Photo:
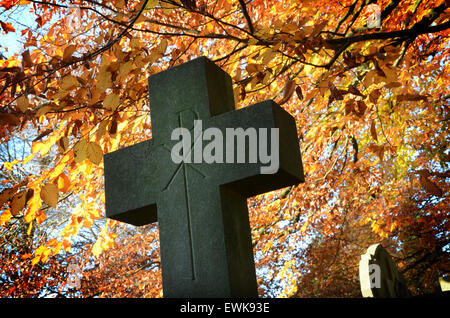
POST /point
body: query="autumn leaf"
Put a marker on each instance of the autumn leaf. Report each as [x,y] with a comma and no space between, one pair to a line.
[26,57]
[49,194]
[7,27]
[18,203]
[94,153]
[80,150]
[68,51]
[288,90]
[69,82]
[63,182]
[79,81]
[23,103]
[111,102]
[352,89]
[150,5]
[411,97]
[430,186]
[373,131]
[299,93]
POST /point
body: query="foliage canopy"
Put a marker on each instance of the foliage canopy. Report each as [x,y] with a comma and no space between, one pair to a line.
[371,106]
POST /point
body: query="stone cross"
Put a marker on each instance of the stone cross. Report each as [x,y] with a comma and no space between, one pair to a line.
[201,208]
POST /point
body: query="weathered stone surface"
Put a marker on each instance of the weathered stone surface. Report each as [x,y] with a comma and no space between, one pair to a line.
[200,208]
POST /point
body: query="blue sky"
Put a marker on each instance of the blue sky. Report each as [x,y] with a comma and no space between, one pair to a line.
[20,18]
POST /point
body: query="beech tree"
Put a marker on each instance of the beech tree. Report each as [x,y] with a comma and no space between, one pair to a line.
[367,82]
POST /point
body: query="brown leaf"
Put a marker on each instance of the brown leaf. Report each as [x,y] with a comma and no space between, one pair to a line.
[26,59]
[353,90]
[361,108]
[430,186]
[9,119]
[298,90]
[5,196]
[18,202]
[373,131]
[23,103]
[374,95]
[68,51]
[336,93]
[113,127]
[288,90]
[64,143]
[349,106]
[7,27]
[411,97]
[49,194]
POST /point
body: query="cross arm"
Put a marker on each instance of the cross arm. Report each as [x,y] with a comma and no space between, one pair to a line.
[247,178]
[128,193]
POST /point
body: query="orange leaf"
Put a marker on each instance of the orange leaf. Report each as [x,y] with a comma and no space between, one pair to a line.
[63,182]
[7,27]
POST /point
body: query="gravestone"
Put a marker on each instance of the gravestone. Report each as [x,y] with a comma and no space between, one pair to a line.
[379,276]
[201,208]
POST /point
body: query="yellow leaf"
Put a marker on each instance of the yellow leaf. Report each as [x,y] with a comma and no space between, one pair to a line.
[57,170]
[150,5]
[23,103]
[111,102]
[95,153]
[49,194]
[34,204]
[97,248]
[42,111]
[35,260]
[80,150]
[27,159]
[5,216]
[267,56]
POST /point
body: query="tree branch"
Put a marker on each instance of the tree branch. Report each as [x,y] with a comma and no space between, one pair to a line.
[412,32]
[247,16]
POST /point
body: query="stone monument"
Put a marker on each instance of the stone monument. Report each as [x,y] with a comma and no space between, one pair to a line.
[379,276]
[200,205]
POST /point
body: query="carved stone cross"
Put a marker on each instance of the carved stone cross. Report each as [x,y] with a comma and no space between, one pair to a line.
[201,207]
